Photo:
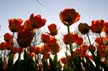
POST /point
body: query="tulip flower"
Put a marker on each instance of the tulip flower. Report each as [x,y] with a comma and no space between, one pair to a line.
[105,29]
[8,37]
[83,28]
[73,37]
[14,24]
[53,29]
[35,49]
[27,25]
[44,49]
[24,38]
[69,16]
[37,21]
[79,40]
[45,37]
[97,26]
[2,45]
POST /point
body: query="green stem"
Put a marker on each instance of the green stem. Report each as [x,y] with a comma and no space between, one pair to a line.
[90,46]
[96,58]
[89,40]
[34,40]
[69,40]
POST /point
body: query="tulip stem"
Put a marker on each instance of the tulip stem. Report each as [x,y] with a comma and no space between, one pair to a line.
[66,48]
[69,39]
[90,46]
[34,40]
[89,39]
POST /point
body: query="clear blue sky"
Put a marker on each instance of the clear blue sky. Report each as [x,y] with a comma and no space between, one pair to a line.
[50,9]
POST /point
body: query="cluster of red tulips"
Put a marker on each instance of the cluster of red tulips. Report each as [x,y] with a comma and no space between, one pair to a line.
[80,55]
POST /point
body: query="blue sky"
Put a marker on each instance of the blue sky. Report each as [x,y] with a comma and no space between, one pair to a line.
[50,9]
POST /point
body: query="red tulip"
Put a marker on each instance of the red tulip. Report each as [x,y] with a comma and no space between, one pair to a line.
[65,39]
[27,25]
[53,45]
[63,60]
[8,37]
[53,29]
[55,48]
[79,40]
[105,27]
[99,40]
[44,49]
[84,48]
[9,45]
[73,37]
[2,45]
[51,41]
[37,21]
[24,37]
[45,37]
[81,51]
[83,28]
[14,24]
[69,16]
[35,49]
[97,26]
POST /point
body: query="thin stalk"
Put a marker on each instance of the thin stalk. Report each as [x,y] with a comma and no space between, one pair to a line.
[95,57]
[89,39]
[90,46]
[34,40]
[69,40]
